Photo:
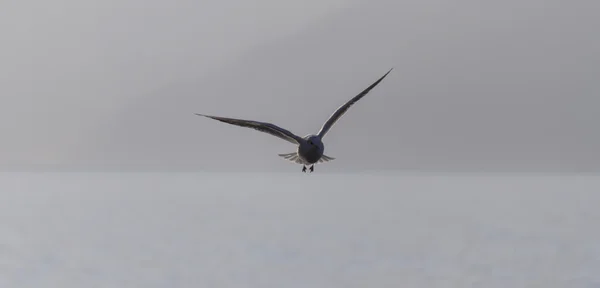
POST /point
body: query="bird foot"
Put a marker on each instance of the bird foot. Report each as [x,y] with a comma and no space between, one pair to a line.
[312,168]
[304,169]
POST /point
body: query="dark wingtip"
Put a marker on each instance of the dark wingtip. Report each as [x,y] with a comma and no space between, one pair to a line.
[211,117]
[380,79]
[208,116]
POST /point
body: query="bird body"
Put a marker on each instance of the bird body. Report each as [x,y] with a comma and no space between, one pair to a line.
[310,148]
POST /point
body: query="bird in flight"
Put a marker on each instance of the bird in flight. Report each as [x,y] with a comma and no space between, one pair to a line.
[310,147]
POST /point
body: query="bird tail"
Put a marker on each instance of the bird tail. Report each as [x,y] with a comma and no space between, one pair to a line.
[326,158]
[292,157]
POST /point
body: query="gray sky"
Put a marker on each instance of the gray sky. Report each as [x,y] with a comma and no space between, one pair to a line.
[510,85]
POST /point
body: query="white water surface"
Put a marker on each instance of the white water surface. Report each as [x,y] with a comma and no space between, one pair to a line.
[116,230]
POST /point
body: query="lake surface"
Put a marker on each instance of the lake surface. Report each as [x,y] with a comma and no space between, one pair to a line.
[298,230]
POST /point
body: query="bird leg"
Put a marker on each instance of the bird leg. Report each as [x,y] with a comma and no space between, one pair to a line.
[303,168]
[312,168]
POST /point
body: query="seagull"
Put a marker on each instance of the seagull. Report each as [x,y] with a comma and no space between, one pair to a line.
[310,147]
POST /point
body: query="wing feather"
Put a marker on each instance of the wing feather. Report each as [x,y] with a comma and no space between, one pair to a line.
[260,126]
[342,109]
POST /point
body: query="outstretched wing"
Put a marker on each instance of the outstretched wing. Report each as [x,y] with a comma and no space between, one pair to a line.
[342,109]
[260,126]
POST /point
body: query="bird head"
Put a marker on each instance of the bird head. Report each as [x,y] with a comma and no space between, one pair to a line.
[313,140]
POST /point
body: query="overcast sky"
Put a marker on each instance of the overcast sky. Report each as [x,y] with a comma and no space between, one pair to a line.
[509,85]
[67,65]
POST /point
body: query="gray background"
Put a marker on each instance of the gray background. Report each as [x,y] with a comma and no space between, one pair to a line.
[113,85]
[172,230]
